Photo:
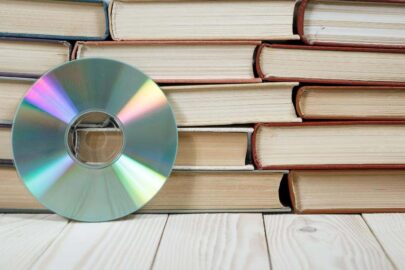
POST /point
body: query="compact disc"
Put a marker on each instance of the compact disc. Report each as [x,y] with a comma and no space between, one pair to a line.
[94,139]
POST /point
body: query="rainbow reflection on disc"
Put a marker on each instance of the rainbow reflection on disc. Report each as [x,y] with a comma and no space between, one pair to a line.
[60,170]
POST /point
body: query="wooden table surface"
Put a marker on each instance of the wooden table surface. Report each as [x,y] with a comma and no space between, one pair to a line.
[204,241]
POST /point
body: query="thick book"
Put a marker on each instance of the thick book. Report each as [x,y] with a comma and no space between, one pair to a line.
[202,20]
[195,105]
[198,148]
[184,191]
[351,102]
[180,61]
[332,65]
[329,145]
[352,23]
[347,191]
[30,57]
[229,104]
[66,20]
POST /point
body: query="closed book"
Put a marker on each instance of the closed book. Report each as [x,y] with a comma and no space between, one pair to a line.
[347,191]
[198,148]
[329,145]
[195,105]
[180,61]
[202,20]
[369,23]
[323,102]
[331,65]
[184,191]
[31,57]
[66,20]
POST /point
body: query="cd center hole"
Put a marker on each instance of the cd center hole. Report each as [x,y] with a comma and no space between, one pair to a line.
[95,139]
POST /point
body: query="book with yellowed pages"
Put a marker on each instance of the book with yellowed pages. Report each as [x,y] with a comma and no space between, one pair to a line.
[184,191]
[329,145]
[202,19]
[195,105]
[351,102]
[347,191]
[355,23]
[31,58]
[68,19]
[194,61]
[198,148]
[332,65]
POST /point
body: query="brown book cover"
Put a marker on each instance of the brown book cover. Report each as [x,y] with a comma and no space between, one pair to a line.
[260,166]
[324,48]
[302,89]
[297,210]
[180,42]
[300,27]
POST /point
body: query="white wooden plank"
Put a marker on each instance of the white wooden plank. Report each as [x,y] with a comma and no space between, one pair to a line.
[213,241]
[323,242]
[24,237]
[389,229]
[129,243]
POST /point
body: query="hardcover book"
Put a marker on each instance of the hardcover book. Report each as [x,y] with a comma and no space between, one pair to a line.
[195,105]
[198,148]
[368,23]
[347,191]
[329,145]
[202,20]
[184,191]
[66,19]
[332,65]
[351,102]
[181,61]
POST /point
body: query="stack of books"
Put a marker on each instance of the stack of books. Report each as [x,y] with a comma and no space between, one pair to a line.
[269,118]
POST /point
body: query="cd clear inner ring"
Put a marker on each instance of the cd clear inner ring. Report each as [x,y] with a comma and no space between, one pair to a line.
[95,139]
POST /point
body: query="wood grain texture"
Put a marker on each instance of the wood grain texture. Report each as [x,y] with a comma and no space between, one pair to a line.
[213,241]
[323,242]
[389,229]
[130,243]
[24,237]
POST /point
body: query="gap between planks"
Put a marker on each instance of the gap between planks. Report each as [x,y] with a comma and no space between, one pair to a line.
[389,229]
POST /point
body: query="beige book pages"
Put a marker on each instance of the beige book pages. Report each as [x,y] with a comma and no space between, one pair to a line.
[180,62]
[191,191]
[31,57]
[355,22]
[357,102]
[59,18]
[349,190]
[196,105]
[157,20]
[332,65]
[11,93]
[349,144]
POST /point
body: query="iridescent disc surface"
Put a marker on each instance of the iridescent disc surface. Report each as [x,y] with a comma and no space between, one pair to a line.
[70,187]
